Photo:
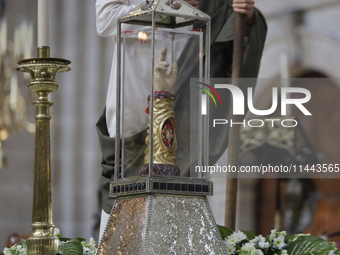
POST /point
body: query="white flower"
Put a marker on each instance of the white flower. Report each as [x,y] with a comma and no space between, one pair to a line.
[257,252]
[7,251]
[92,244]
[279,242]
[22,251]
[252,242]
[330,253]
[231,240]
[248,247]
[56,231]
[16,249]
[284,252]
[272,234]
[282,233]
[87,251]
[236,237]
[263,244]
[90,248]
[231,249]
[258,238]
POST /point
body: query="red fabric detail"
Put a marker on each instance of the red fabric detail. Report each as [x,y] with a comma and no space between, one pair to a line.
[147,110]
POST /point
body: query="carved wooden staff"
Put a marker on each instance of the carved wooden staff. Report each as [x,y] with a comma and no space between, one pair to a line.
[234,131]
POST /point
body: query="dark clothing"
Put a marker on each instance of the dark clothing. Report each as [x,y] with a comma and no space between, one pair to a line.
[221,59]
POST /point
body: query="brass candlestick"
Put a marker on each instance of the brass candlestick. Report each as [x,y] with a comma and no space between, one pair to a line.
[43,71]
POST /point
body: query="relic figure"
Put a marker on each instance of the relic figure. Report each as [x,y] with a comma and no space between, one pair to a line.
[164,124]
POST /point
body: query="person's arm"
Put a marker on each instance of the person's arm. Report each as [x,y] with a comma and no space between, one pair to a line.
[194,3]
[245,7]
[107,14]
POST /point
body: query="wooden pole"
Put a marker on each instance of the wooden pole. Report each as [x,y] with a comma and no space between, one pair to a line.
[234,131]
[277,219]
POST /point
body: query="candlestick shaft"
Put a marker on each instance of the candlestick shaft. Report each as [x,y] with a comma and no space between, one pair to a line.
[42,240]
[42,169]
[43,23]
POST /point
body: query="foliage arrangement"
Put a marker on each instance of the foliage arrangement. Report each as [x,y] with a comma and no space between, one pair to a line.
[277,243]
[67,246]
[237,243]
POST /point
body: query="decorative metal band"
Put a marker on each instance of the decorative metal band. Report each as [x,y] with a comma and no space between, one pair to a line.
[164,94]
[145,243]
[48,86]
[60,67]
[164,185]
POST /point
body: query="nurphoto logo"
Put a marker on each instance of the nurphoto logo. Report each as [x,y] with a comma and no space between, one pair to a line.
[239,103]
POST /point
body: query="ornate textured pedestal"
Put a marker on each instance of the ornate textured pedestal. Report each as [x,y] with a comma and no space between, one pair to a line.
[160,223]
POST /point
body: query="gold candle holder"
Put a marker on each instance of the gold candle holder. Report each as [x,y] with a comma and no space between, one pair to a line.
[43,71]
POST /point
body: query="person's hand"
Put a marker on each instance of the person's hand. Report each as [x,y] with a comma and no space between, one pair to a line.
[163,81]
[194,3]
[245,7]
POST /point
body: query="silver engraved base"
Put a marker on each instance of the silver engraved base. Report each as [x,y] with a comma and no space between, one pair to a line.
[161,224]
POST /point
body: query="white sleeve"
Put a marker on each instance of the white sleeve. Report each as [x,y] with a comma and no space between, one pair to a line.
[103,222]
[107,14]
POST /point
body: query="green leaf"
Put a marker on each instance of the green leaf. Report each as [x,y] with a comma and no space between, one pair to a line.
[22,242]
[80,239]
[322,252]
[292,237]
[72,247]
[309,245]
[250,235]
[64,239]
[225,232]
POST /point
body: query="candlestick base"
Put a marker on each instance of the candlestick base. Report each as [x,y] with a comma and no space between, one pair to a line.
[42,240]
